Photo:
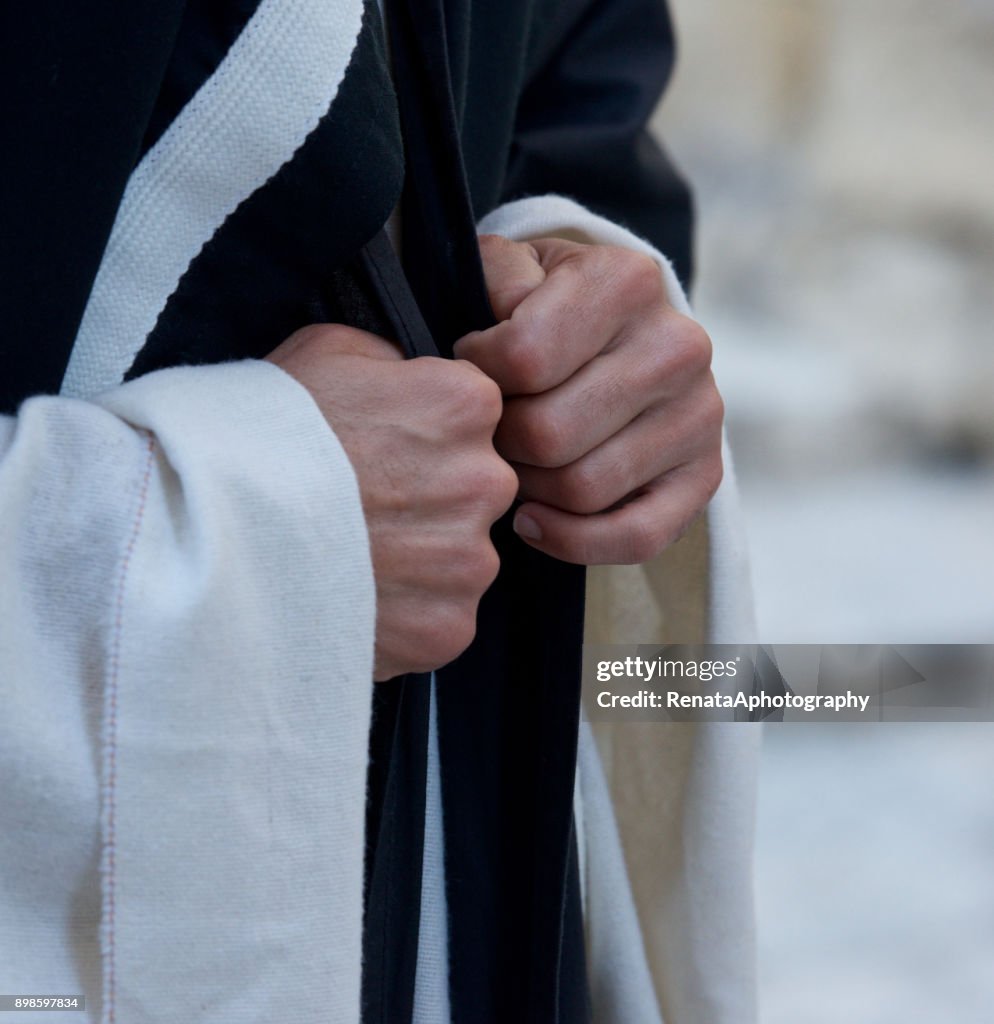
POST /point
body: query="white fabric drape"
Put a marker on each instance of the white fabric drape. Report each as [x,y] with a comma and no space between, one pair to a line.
[186,637]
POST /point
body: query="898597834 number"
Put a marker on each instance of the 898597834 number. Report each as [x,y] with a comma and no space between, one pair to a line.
[42,1002]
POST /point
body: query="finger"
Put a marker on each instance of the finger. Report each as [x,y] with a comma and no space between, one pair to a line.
[559,426]
[633,533]
[653,361]
[657,442]
[559,327]
[512,270]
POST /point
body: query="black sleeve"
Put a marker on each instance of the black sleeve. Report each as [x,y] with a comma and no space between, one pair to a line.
[599,69]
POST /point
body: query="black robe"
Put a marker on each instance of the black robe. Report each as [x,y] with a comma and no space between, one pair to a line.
[497,101]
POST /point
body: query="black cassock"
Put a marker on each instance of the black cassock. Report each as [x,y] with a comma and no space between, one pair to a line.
[493,101]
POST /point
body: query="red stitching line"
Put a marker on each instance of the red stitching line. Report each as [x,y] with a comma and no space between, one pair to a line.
[111,789]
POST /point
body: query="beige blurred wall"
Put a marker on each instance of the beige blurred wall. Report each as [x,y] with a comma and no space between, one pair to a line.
[843,156]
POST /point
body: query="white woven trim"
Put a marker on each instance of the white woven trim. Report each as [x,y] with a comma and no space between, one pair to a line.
[246,121]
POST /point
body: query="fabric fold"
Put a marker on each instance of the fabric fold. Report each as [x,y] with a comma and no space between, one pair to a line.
[203,678]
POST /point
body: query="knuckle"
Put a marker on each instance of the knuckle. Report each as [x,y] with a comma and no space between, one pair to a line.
[487,487]
[714,409]
[449,630]
[501,247]
[487,398]
[473,400]
[545,437]
[455,629]
[492,244]
[692,346]
[490,565]
[585,487]
[478,567]
[525,357]
[504,487]
[711,475]
[426,656]
[643,539]
[413,646]
[642,280]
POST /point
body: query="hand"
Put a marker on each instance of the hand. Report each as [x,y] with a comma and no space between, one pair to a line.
[419,435]
[612,420]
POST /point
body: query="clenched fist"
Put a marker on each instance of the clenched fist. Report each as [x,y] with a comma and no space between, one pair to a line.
[419,435]
[611,420]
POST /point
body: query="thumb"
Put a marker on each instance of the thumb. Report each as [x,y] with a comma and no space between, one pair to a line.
[512,270]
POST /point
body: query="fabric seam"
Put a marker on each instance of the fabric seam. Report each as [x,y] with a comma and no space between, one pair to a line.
[109,816]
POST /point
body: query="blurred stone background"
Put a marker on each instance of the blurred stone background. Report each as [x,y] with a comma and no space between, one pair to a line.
[843,158]
[842,153]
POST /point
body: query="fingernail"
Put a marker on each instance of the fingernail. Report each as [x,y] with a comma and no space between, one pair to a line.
[525,526]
